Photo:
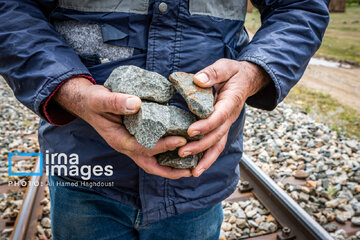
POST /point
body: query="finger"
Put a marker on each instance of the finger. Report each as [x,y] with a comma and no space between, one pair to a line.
[151,166]
[218,87]
[221,71]
[206,142]
[222,112]
[128,144]
[209,157]
[167,144]
[112,117]
[102,100]
[119,138]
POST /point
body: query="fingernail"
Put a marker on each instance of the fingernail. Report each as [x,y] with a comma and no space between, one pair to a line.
[200,171]
[180,143]
[194,133]
[131,103]
[185,154]
[203,78]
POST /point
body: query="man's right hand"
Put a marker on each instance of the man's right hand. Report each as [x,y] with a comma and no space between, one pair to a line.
[102,109]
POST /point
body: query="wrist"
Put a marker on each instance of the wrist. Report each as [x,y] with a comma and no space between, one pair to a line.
[72,96]
[256,78]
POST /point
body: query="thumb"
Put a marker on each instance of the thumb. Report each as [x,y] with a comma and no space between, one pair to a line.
[118,103]
[220,71]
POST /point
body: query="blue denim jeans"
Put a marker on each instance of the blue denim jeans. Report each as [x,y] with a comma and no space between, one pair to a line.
[80,213]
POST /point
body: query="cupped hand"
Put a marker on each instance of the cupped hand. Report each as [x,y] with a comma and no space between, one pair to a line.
[102,109]
[234,82]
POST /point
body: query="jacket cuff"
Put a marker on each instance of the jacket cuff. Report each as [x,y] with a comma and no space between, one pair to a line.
[268,97]
[53,112]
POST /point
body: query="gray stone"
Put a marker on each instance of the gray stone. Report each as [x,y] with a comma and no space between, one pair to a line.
[149,124]
[264,156]
[48,233]
[251,213]
[356,207]
[301,174]
[232,219]
[46,222]
[325,183]
[268,227]
[6,231]
[40,230]
[252,223]
[136,81]
[154,121]
[44,202]
[331,227]
[351,144]
[348,208]
[304,196]
[240,213]
[345,194]
[241,223]
[322,220]
[342,216]
[199,100]
[272,227]
[234,207]
[332,203]
[180,121]
[226,226]
[227,213]
[244,204]
[355,221]
[172,159]
[260,219]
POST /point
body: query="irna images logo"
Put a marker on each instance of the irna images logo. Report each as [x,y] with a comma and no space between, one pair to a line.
[15,155]
[59,164]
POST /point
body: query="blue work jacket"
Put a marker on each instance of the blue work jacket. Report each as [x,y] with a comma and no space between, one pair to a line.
[165,36]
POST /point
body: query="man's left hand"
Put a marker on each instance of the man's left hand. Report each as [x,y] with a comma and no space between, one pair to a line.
[234,82]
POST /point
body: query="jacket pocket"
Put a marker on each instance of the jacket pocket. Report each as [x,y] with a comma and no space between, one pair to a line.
[124,6]
[226,9]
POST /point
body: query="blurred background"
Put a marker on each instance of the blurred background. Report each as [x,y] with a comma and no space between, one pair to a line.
[330,88]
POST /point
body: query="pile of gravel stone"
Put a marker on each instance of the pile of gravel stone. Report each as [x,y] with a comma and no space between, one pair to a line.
[10,204]
[286,143]
[44,222]
[245,219]
[18,128]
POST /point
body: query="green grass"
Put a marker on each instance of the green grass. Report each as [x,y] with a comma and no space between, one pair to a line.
[331,191]
[324,108]
[342,37]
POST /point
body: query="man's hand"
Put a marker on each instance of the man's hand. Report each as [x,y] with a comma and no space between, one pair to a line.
[102,109]
[234,82]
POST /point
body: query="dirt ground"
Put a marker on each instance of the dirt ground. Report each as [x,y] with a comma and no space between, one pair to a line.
[342,84]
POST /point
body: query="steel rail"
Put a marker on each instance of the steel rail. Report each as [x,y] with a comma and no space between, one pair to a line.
[285,210]
[23,222]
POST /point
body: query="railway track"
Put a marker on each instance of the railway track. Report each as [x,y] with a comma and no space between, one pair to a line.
[293,221]
[24,225]
[7,224]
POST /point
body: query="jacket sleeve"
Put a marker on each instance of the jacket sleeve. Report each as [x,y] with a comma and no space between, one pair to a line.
[290,34]
[34,59]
